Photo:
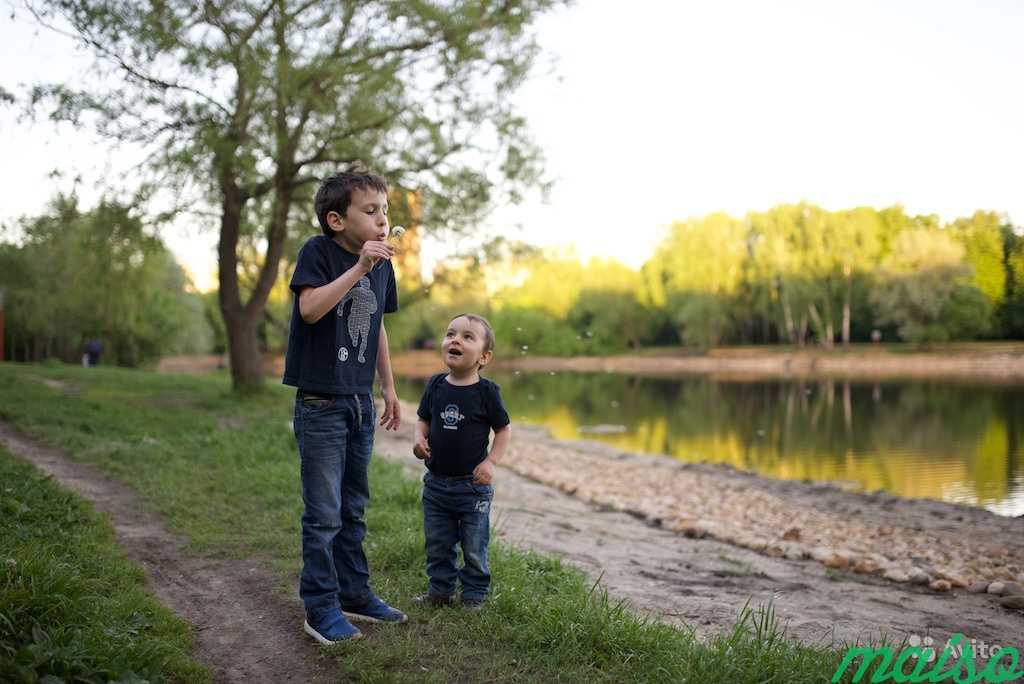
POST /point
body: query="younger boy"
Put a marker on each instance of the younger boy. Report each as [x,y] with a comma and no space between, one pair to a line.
[456,415]
[344,284]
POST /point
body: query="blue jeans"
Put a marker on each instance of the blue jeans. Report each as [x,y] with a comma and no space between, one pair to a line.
[335,438]
[456,511]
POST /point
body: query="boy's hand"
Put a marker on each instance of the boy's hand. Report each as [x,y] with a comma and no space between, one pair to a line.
[421,449]
[391,418]
[483,473]
[372,252]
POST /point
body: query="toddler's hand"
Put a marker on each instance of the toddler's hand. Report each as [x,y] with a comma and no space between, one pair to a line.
[483,473]
[421,450]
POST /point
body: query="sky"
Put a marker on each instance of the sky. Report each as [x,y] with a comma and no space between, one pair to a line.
[650,112]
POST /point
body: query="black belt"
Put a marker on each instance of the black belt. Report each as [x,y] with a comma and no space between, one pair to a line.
[314,395]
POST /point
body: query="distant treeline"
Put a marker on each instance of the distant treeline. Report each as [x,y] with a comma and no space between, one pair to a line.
[72,276]
[795,274]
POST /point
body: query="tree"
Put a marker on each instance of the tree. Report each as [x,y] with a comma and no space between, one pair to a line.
[982,237]
[925,289]
[245,105]
[97,274]
[1011,312]
[856,248]
[696,273]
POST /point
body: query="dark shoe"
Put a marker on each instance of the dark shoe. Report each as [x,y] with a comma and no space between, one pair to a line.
[432,600]
[331,629]
[374,610]
[472,603]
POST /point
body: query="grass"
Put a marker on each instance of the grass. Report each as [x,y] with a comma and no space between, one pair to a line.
[72,606]
[223,471]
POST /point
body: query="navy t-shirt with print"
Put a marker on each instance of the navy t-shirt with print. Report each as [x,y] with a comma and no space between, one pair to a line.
[338,353]
[461,418]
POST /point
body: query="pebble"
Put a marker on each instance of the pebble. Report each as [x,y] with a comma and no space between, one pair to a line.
[865,566]
[690,528]
[1013,589]
[940,585]
[919,576]
[820,553]
[977,587]
[1012,602]
[835,560]
[896,576]
[997,588]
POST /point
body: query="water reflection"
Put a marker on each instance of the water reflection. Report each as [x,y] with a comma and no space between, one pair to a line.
[944,441]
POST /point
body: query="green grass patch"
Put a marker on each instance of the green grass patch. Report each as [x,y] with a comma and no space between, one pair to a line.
[72,606]
[223,470]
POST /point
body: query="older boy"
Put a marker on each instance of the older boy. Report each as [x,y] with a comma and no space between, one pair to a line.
[344,284]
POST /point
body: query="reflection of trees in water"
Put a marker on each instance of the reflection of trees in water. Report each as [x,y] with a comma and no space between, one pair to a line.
[883,434]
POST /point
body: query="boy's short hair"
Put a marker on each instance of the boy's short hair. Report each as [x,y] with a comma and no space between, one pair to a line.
[335,192]
[488,330]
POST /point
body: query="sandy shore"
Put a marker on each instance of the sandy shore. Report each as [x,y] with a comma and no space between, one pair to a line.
[692,543]
[1001,363]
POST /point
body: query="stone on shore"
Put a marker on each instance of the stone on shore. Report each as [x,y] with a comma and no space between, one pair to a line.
[895,575]
[866,566]
[919,576]
[1012,602]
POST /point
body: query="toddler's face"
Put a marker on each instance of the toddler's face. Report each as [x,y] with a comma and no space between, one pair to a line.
[463,345]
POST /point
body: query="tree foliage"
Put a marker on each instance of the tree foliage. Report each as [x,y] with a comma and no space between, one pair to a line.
[794,273]
[245,105]
[96,274]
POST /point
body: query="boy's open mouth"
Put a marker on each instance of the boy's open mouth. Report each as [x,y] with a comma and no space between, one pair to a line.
[455,352]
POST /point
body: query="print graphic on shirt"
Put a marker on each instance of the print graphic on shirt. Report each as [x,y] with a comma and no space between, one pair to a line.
[451,417]
[364,305]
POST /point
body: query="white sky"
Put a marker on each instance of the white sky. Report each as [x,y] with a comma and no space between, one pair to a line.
[659,111]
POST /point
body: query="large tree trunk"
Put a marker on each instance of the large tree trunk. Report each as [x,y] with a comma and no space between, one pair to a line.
[244,351]
[240,321]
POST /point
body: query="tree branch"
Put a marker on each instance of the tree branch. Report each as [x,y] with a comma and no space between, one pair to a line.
[127,68]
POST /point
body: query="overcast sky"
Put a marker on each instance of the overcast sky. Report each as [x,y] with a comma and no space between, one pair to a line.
[657,111]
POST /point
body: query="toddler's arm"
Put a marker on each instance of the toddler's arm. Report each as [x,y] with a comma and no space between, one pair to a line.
[484,473]
[421,449]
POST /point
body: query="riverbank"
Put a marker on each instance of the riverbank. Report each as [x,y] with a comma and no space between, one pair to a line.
[996,362]
[1001,362]
[691,543]
[202,489]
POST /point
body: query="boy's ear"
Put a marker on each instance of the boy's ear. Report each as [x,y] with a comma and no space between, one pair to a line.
[335,222]
[485,358]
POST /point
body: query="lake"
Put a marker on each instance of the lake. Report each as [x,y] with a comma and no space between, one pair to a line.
[940,440]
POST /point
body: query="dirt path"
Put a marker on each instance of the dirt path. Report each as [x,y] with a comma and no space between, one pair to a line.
[705,582]
[246,631]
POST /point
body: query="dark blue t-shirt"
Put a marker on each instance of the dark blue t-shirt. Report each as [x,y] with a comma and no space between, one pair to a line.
[338,353]
[461,418]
